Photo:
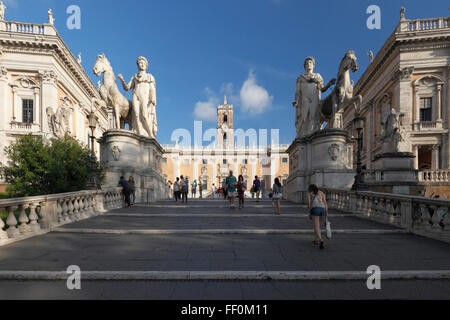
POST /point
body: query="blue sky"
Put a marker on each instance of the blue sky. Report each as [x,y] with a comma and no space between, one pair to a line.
[252,50]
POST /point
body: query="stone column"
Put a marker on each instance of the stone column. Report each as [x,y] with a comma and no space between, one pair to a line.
[195,171]
[447,111]
[435,157]
[254,163]
[403,94]
[439,103]
[214,172]
[4,111]
[37,114]
[176,166]
[49,96]
[371,132]
[415,151]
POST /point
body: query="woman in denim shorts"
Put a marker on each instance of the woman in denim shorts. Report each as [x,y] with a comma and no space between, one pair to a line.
[317,203]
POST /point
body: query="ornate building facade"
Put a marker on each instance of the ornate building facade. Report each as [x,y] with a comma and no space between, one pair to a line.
[409,78]
[44,89]
[212,164]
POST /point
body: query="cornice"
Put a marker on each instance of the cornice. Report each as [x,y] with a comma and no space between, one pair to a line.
[49,45]
[402,41]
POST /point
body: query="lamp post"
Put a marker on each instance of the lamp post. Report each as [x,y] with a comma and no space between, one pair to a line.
[359,184]
[92,183]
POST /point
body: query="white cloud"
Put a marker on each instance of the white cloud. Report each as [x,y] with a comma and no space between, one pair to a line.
[254,98]
[207,110]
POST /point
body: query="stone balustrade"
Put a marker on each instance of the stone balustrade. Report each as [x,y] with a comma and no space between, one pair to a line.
[434,176]
[420,215]
[427,24]
[37,215]
[25,27]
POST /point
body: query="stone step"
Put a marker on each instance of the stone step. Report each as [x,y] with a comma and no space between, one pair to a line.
[225,231]
[226,275]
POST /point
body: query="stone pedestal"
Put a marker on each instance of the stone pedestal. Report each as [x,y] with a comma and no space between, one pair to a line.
[124,153]
[395,173]
[324,158]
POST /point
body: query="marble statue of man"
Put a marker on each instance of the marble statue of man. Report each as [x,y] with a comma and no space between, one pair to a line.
[51,20]
[2,11]
[144,100]
[307,99]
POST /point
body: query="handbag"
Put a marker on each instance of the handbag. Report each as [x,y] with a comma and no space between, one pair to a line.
[328,228]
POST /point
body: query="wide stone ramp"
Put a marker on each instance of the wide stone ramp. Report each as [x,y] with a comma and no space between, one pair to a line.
[207,243]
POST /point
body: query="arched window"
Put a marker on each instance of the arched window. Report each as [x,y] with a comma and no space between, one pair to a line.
[225,118]
[224,138]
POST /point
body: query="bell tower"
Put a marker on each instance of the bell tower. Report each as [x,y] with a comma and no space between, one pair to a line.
[225,128]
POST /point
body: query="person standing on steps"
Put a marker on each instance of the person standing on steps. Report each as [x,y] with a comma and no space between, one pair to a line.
[317,202]
[277,193]
[194,188]
[132,184]
[176,190]
[231,184]
[263,188]
[200,188]
[241,187]
[184,189]
[224,189]
[257,187]
[125,190]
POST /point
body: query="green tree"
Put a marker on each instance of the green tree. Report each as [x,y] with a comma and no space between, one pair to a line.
[37,167]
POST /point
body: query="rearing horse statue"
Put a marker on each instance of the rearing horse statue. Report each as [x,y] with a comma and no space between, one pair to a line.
[111,95]
[332,107]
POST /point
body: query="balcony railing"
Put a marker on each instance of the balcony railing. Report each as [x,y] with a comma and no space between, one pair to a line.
[434,176]
[427,125]
[24,126]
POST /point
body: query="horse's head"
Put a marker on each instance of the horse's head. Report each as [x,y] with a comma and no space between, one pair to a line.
[101,65]
[349,62]
[353,63]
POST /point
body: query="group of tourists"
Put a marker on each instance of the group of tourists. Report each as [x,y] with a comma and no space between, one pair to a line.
[233,188]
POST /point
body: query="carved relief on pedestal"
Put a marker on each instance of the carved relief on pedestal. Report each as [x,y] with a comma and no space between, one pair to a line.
[334,151]
[116,153]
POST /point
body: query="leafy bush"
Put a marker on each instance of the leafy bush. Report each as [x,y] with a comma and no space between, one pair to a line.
[37,167]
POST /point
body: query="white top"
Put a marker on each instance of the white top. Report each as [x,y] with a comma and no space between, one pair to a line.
[317,201]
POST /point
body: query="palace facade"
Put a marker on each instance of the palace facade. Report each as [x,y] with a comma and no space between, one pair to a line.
[410,74]
[44,89]
[212,164]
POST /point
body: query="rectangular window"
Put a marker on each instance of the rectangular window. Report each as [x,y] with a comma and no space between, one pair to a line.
[205,161]
[425,109]
[225,161]
[164,160]
[284,160]
[27,111]
[186,162]
[245,161]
